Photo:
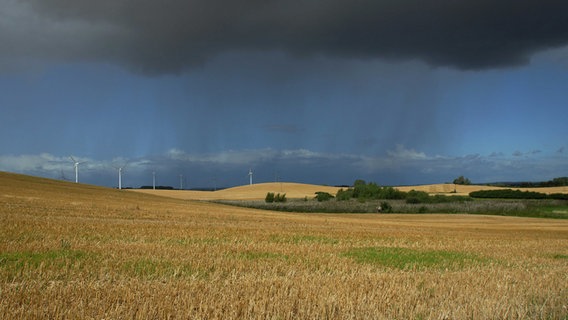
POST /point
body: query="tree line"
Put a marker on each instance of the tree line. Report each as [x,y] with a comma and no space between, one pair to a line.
[516,194]
[363,191]
[556,182]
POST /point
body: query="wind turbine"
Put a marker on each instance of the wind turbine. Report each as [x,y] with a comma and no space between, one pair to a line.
[119,177]
[76,165]
[250,176]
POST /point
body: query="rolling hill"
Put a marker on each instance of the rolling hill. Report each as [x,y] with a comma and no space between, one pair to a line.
[299,191]
[247,192]
[85,252]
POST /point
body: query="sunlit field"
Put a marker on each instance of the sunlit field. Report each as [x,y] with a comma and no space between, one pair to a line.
[85,252]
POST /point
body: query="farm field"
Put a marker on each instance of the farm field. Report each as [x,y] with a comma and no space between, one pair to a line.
[79,251]
[298,190]
[248,192]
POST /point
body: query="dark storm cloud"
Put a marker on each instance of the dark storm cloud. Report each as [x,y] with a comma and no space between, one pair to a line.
[170,36]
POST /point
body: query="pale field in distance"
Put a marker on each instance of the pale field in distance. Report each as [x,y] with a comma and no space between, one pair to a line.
[299,191]
[248,192]
[78,251]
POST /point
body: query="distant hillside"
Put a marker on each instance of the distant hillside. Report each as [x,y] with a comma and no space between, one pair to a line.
[300,191]
[248,192]
[32,188]
[28,186]
[457,189]
[556,182]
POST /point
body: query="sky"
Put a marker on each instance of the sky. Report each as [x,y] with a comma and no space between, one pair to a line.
[200,92]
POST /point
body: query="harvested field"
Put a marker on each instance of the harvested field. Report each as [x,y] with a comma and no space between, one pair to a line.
[249,192]
[79,251]
[300,191]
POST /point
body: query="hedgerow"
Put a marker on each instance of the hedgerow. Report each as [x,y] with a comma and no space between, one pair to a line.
[510,194]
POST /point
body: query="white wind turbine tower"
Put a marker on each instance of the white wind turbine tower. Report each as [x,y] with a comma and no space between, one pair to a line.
[250,176]
[76,165]
[119,177]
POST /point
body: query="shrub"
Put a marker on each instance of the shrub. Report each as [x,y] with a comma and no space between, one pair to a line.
[462,180]
[344,195]
[391,194]
[385,207]
[414,196]
[323,196]
[269,197]
[358,187]
[508,194]
[413,200]
[280,198]
[364,191]
[558,196]
[562,181]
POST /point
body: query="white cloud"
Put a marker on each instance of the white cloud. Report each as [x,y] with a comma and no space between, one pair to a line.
[399,166]
[230,157]
[558,56]
[25,163]
[252,156]
[400,152]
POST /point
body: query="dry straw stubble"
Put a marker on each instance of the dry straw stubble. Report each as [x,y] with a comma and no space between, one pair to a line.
[70,251]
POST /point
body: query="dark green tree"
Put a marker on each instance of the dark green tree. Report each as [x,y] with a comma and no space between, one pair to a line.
[384,207]
[562,181]
[323,196]
[358,187]
[269,197]
[391,193]
[414,196]
[344,195]
[462,180]
[280,198]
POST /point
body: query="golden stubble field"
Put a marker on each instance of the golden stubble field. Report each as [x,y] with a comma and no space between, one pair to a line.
[247,192]
[78,251]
